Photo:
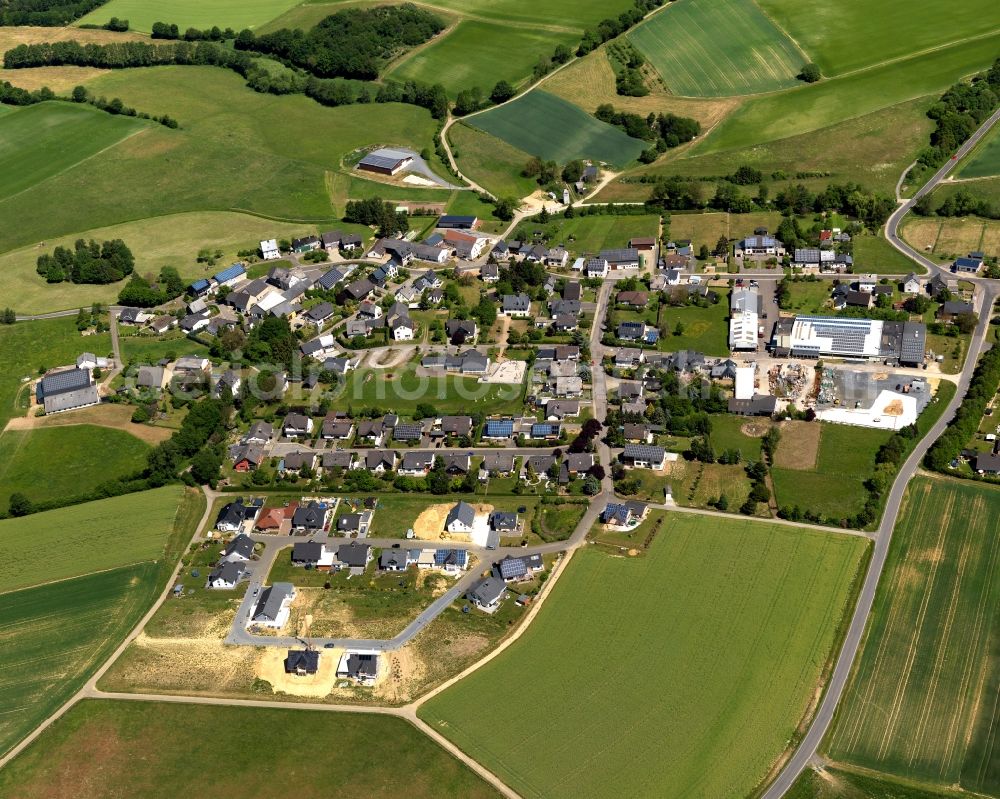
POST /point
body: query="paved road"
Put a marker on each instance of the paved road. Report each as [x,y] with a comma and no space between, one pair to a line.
[838,680]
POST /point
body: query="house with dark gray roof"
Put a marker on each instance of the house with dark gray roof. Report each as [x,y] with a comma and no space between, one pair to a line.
[226,576]
[302,662]
[310,517]
[362,667]
[67,390]
[239,549]
[488,594]
[272,607]
[644,456]
[461,518]
[516,305]
[354,556]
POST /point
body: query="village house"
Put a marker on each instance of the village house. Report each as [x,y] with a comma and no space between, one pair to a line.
[644,456]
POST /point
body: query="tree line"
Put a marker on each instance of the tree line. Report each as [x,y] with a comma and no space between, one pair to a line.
[142,292]
[14,95]
[354,43]
[45,13]
[88,262]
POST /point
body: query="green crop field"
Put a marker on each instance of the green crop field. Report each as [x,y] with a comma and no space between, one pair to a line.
[985,161]
[718,48]
[554,129]
[833,782]
[87,538]
[835,486]
[27,347]
[479,53]
[134,749]
[235,14]
[571,14]
[643,675]
[921,702]
[40,141]
[172,240]
[265,154]
[819,105]
[842,35]
[58,462]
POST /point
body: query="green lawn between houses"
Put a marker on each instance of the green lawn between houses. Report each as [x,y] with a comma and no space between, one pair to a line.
[138,749]
[702,329]
[63,462]
[920,702]
[709,648]
[588,235]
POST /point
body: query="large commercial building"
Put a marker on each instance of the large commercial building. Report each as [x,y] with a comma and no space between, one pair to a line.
[385,161]
[66,390]
[846,337]
[744,306]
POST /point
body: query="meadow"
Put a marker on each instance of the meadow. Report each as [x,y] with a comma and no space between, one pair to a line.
[95,536]
[920,703]
[553,14]
[40,141]
[708,227]
[718,48]
[29,348]
[588,235]
[490,162]
[235,14]
[985,161]
[950,237]
[266,154]
[172,240]
[477,53]
[553,129]
[876,255]
[819,105]
[62,462]
[834,487]
[834,782]
[643,674]
[844,35]
[133,748]
[703,330]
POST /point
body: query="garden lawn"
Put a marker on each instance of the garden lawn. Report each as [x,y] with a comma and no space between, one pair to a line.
[985,161]
[712,647]
[28,347]
[717,48]
[134,748]
[150,349]
[40,141]
[173,240]
[874,254]
[835,487]
[266,154]
[63,462]
[704,329]
[801,110]
[396,513]
[86,538]
[588,235]
[235,14]
[476,53]
[727,433]
[707,228]
[809,297]
[490,162]
[842,35]
[403,390]
[920,703]
[547,126]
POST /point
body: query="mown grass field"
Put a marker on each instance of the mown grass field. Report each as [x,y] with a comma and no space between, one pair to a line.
[235,14]
[985,161]
[590,234]
[874,254]
[842,35]
[707,228]
[921,702]
[40,141]
[490,162]
[53,463]
[133,748]
[403,389]
[950,237]
[835,486]
[265,154]
[172,240]
[552,128]
[819,105]
[28,347]
[702,329]
[709,649]
[833,782]
[477,53]
[718,48]
[81,539]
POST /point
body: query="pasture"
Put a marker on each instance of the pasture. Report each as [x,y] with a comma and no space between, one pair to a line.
[834,487]
[476,53]
[29,348]
[403,389]
[235,14]
[40,141]
[553,129]
[490,162]
[718,48]
[133,748]
[819,105]
[105,534]
[555,15]
[267,155]
[171,240]
[985,161]
[950,237]
[920,703]
[56,635]
[710,648]
[844,35]
[62,462]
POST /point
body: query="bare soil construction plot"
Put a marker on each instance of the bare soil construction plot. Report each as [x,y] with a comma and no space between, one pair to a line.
[429,525]
[118,417]
[798,446]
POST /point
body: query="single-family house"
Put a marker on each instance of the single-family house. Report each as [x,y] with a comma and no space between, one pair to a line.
[297,425]
[240,549]
[488,594]
[516,305]
[310,518]
[378,461]
[269,250]
[226,576]
[461,518]
[272,606]
[312,554]
[355,523]
[644,456]
[354,556]
[362,667]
